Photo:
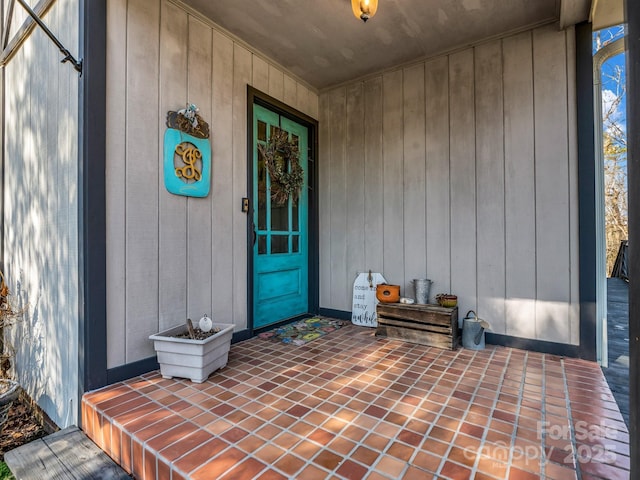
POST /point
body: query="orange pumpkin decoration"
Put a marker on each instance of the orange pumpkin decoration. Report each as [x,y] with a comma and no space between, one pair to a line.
[388,293]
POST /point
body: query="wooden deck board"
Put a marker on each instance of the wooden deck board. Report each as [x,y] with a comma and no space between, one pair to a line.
[67,454]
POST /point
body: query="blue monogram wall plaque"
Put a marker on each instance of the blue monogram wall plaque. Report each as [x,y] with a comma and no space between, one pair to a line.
[187,153]
[187,164]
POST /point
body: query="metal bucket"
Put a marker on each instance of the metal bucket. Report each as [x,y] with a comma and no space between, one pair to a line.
[422,287]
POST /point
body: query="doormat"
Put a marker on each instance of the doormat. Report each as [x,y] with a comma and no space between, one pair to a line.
[304,331]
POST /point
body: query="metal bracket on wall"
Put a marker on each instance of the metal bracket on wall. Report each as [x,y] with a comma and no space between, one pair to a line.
[10,48]
[67,55]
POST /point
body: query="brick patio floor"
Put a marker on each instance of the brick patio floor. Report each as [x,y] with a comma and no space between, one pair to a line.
[349,406]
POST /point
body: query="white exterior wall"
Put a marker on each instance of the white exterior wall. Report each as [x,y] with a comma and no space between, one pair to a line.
[171,257]
[40,199]
[461,169]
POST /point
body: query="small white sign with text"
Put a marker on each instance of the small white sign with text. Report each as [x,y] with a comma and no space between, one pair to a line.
[363,311]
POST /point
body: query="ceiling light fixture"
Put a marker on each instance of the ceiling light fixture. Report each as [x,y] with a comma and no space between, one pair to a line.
[364,9]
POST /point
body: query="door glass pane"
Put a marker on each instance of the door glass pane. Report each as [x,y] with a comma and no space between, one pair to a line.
[262,244]
[295,244]
[278,195]
[279,217]
[294,217]
[280,244]
[262,193]
[262,131]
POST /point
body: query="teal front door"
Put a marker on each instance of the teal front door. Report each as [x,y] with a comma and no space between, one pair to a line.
[280,249]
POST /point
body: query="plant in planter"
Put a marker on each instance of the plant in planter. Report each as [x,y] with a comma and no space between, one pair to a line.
[9,313]
[193,353]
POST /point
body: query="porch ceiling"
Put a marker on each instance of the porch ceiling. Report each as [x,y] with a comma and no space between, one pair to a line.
[324,44]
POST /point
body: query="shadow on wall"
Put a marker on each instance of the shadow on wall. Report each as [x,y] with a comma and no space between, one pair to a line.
[41,212]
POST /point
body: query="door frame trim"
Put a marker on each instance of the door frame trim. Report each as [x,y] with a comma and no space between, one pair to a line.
[255,96]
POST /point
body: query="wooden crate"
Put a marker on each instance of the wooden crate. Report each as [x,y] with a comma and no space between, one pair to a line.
[424,324]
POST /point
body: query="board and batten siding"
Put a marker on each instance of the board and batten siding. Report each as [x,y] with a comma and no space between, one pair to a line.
[172,257]
[40,208]
[467,167]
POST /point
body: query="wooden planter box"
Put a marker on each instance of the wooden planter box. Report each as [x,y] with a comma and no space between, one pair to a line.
[430,325]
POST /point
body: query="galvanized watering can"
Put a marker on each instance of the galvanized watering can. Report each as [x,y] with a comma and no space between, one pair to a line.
[473,329]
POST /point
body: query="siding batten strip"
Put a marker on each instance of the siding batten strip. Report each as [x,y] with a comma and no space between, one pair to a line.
[393,178]
[340,293]
[490,185]
[373,176]
[221,172]
[142,177]
[276,83]
[463,180]
[199,254]
[552,185]
[414,184]
[355,175]
[438,220]
[520,199]
[115,139]
[259,73]
[172,226]
[242,77]
[324,200]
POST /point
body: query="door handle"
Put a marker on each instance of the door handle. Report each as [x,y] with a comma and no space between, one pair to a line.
[253,232]
[245,203]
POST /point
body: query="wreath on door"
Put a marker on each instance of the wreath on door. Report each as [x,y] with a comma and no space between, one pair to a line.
[282,158]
